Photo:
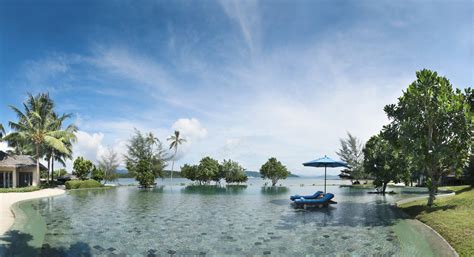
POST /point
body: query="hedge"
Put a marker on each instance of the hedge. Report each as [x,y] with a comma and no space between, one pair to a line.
[19,189]
[76,184]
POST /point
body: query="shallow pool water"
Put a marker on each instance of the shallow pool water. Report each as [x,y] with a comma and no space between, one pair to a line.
[214,221]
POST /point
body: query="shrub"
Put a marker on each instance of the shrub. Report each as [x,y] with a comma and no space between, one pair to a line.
[19,189]
[76,184]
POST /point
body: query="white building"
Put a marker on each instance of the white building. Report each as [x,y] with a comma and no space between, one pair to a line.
[18,170]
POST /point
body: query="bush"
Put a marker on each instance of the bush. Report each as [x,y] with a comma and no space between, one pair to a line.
[76,184]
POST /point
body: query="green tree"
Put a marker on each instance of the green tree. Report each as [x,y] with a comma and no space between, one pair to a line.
[145,158]
[60,172]
[384,162]
[68,139]
[97,174]
[434,125]
[190,172]
[109,164]
[36,127]
[175,140]
[274,170]
[208,169]
[351,153]
[82,168]
[233,172]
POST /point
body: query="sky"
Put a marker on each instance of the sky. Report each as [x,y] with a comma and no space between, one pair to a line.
[246,80]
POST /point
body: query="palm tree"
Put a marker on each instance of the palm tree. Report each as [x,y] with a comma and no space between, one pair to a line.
[68,138]
[37,126]
[175,142]
[2,131]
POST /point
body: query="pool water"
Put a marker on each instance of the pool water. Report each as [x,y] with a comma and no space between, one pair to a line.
[214,221]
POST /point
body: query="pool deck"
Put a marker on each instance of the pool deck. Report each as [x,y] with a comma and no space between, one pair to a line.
[7,217]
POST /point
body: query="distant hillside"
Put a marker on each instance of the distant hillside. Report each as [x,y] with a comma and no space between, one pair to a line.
[256,174]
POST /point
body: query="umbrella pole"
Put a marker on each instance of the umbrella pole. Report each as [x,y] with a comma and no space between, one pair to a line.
[325,179]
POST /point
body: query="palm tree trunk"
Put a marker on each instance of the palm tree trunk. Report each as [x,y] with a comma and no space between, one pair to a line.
[172,168]
[52,168]
[49,166]
[172,164]
[37,165]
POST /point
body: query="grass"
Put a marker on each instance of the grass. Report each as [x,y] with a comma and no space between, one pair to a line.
[452,217]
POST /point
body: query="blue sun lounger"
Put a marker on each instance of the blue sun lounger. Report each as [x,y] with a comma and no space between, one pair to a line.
[313,196]
[324,201]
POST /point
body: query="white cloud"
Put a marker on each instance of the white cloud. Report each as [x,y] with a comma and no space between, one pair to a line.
[190,129]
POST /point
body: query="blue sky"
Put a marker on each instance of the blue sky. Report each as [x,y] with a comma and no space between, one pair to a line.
[244,80]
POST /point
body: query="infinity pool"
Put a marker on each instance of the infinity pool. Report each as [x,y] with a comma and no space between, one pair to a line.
[213,221]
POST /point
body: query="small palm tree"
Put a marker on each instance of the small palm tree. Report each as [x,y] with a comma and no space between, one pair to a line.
[37,126]
[175,142]
[2,131]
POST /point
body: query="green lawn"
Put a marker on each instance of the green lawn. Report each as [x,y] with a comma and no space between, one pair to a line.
[452,217]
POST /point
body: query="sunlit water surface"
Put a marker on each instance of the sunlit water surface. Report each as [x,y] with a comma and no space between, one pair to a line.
[215,221]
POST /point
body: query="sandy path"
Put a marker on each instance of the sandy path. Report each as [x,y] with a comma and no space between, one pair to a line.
[8,199]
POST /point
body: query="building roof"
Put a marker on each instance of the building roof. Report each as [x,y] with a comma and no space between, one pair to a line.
[16,161]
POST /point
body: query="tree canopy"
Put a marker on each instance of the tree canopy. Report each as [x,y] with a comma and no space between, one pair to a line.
[385,162]
[351,153]
[434,124]
[146,158]
[274,170]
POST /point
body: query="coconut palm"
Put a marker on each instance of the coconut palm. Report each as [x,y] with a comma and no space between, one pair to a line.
[2,131]
[175,142]
[37,126]
[53,154]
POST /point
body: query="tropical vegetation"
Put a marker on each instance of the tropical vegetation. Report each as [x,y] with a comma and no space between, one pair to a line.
[39,130]
[351,153]
[433,123]
[274,170]
[210,169]
[175,140]
[109,163]
[82,168]
[384,162]
[146,158]
[82,184]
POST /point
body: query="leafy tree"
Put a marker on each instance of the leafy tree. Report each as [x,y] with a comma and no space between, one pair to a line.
[274,170]
[233,172]
[190,172]
[82,168]
[351,153]
[175,142]
[36,127]
[434,125]
[146,158]
[109,164]
[208,169]
[384,162]
[60,172]
[97,174]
